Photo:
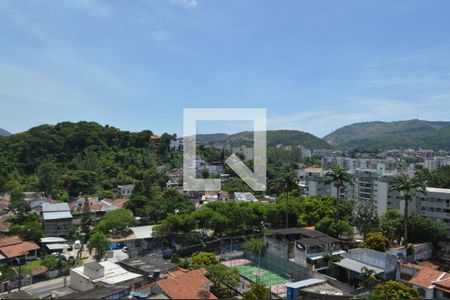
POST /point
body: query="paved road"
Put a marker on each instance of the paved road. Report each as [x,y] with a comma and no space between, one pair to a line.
[44,288]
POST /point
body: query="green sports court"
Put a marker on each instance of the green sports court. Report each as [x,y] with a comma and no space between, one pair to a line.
[251,271]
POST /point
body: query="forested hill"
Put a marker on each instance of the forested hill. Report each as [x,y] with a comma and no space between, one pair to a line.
[274,137]
[389,135]
[4,132]
[82,157]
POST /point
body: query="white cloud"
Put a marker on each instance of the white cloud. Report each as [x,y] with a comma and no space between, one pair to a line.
[184,3]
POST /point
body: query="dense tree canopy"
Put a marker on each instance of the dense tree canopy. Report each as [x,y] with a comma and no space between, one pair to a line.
[376,241]
[116,222]
[82,157]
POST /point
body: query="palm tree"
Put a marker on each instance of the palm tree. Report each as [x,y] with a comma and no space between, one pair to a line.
[287,182]
[339,177]
[407,187]
[368,277]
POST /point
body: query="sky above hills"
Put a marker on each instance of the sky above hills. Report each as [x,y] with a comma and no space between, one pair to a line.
[315,65]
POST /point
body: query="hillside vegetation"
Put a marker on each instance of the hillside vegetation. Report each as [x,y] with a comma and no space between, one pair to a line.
[389,135]
[274,137]
[82,157]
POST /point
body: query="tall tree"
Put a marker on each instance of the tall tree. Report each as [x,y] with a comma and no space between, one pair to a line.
[365,217]
[339,177]
[47,173]
[407,186]
[99,242]
[287,182]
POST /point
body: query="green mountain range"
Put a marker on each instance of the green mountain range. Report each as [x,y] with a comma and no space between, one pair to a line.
[388,135]
[274,137]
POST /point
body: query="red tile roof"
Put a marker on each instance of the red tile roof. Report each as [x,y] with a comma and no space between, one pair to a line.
[186,285]
[7,241]
[17,250]
[119,202]
[38,270]
[427,275]
[312,169]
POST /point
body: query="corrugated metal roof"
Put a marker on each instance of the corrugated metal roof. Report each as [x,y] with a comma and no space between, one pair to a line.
[57,246]
[303,283]
[57,215]
[143,232]
[47,207]
[53,240]
[356,266]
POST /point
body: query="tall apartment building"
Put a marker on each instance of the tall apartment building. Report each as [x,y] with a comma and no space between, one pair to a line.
[436,163]
[353,164]
[435,204]
[367,185]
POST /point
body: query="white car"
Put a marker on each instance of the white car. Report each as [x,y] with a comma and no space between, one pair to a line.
[77,244]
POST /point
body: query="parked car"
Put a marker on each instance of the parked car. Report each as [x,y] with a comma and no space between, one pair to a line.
[77,244]
[125,249]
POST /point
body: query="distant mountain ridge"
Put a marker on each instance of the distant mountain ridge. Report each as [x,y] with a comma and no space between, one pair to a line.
[274,137]
[4,132]
[388,135]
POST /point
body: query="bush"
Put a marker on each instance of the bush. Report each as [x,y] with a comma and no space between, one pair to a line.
[376,241]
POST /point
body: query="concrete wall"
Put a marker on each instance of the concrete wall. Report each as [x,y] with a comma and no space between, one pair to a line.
[79,282]
[385,261]
[275,247]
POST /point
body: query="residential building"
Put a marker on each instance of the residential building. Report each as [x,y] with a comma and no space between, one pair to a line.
[126,190]
[305,152]
[12,248]
[245,196]
[435,204]
[367,185]
[245,151]
[104,273]
[426,279]
[140,240]
[314,288]
[436,162]
[186,285]
[322,152]
[152,266]
[176,144]
[57,219]
[350,268]
[305,247]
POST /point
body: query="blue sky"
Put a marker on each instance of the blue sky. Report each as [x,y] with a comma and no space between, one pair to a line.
[315,65]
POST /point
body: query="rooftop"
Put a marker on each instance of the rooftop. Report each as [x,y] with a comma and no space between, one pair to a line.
[46,240]
[47,207]
[19,249]
[437,190]
[304,283]
[244,196]
[149,263]
[57,215]
[114,274]
[428,275]
[356,266]
[188,285]
[97,293]
[7,241]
